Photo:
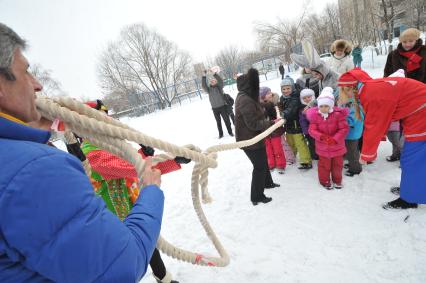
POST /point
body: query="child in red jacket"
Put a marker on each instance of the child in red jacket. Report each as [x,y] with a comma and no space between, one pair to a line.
[274,148]
[328,126]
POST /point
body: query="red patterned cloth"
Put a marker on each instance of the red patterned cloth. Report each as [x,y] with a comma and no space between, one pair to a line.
[110,166]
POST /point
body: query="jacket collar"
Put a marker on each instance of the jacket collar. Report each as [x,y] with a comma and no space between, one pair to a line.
[14,130]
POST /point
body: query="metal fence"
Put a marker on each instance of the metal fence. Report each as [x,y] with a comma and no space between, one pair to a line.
[147,102]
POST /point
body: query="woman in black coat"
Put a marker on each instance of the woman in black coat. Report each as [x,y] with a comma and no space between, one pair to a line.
[250,121]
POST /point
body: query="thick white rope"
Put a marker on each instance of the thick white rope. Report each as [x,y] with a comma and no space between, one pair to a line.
[112,135]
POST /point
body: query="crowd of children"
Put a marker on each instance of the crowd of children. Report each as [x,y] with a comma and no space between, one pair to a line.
[324,115]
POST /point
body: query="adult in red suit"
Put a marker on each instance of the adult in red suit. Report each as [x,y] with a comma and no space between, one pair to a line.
[391,99]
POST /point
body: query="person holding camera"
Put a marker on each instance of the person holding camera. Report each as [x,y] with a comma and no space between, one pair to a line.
[214,87]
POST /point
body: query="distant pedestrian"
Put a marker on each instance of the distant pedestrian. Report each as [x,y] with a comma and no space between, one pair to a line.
[282,71]
[357,56]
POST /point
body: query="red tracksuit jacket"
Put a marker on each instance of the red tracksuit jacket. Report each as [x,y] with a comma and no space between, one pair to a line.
[391,99]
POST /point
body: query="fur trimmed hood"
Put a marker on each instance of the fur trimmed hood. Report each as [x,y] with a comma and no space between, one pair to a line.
[249,83]
[341,44]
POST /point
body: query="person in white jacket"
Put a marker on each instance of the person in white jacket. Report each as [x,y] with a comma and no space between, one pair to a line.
[340,61]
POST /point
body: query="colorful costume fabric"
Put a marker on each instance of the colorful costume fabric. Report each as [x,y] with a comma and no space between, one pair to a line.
[115,180]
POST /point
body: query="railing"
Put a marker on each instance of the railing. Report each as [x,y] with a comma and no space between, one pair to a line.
[147,102]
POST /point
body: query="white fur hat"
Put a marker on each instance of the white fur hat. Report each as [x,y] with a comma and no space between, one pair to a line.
[306,92]
[326,97]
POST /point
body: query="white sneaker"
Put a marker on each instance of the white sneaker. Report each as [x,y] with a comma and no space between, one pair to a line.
[338,187]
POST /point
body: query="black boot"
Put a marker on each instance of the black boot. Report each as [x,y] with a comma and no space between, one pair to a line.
[395,190]
[273,185]
[399,203]
[167,279]
[351,174]
[392,158]
[305,166]
[264,199]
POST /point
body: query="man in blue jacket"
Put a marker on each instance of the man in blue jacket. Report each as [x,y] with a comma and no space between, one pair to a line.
[52,225]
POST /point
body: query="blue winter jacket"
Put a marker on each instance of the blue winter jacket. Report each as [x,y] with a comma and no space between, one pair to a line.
[52,225]
[356,126]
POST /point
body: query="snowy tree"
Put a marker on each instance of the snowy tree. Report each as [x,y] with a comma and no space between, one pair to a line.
[51,86]
[229,59]
[143,61]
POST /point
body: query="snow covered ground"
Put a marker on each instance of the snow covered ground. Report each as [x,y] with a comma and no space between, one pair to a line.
[306,234]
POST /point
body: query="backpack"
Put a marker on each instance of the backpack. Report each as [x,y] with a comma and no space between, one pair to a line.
[228,99]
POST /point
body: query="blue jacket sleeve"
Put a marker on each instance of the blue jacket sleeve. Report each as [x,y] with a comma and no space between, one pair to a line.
[64,232]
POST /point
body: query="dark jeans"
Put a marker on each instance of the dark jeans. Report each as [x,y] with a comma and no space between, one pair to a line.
[311,145]
[261,176]
[222,111]
[352,155]
[230,110]
[395,139]
[157,265]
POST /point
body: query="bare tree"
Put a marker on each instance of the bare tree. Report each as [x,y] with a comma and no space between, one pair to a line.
[283,35]
[317,29]
[230,60]
[143,61]
[333,20]
[388,18]
[415,10]
[51,87]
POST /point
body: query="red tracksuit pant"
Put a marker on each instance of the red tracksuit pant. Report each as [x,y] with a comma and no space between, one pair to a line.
[275,152]
[330,166]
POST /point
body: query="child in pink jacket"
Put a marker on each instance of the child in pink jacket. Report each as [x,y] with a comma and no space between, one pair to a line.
[328,126]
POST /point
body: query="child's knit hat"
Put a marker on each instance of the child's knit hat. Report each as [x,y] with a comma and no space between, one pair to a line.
[263,91]
[287,81]
[326,97]
[306,92]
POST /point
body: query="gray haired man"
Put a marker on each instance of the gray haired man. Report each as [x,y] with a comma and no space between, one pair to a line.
[53,228]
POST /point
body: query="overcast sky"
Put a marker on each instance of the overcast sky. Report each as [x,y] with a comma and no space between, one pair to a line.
[67,36]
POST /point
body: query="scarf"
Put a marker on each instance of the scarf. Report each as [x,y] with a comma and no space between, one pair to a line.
[414,59]
[325,115]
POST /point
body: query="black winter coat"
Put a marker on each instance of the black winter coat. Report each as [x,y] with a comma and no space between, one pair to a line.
[271,115]
[290,107]
[396,61]
[249,120]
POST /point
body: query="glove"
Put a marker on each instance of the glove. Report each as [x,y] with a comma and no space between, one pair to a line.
[278,119]
[147,150]
[75,150]
[331,141]
[182,160]
[328,140]
[324,138]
